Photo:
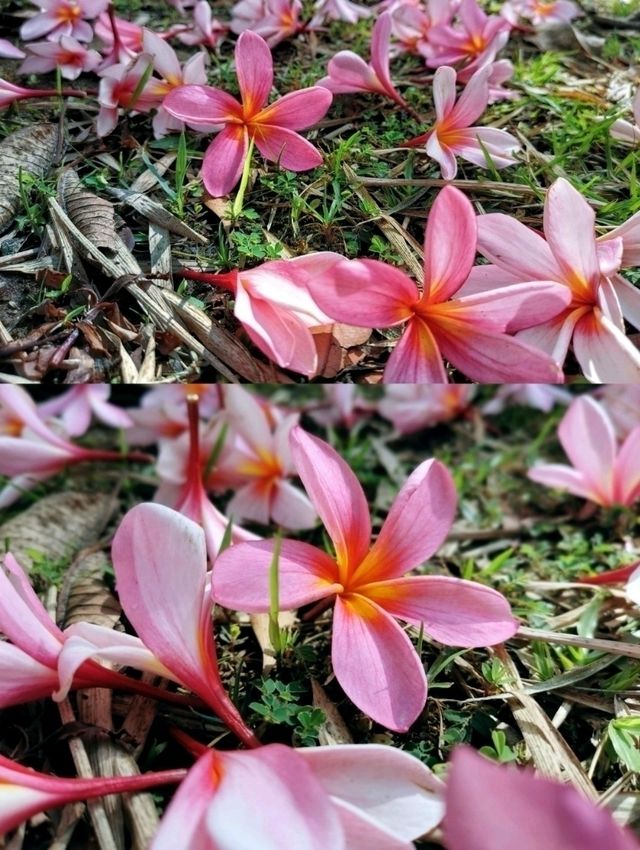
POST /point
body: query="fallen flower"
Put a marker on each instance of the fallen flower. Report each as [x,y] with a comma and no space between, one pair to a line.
[274,20]
[470,40]
[601,472]
[538,814]
[344,797]
[348,72]
[10,93]
[63,17]
[270,128]
[372,656]
[206,29]
[25,792]
[569,254]
[412,407]
[123,85]
[338,10]
[67,54]
[274,305]
[469,331]
[452,135]
[76,408]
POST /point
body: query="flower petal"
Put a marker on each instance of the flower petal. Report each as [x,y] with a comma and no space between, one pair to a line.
[569,227]
[589,440]
[376,664]
[627,469]
[449,244]
[337,495]
[285,147]
[23,678]
[200,106]
[416,525]
[453,611]
[562,477]
[183,823]
[416,359]
[515,248]
[298,110]
[604,352]
[291,508]
[513,307]
[241,576]
[224,159]
[254,67]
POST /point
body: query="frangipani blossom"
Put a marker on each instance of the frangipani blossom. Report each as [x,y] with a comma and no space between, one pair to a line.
[160,563]
[412,23]
[569,254]
[125,46]
[347,797]
[540,396]
[338,10]
[536,813]
[8,50]
[77,406]
[10,93]
[471,331]
[453,134]
[120,88]
[372,656]
[274,20]
[63,17]
[206,30]
[622,404]
[257,462]
[162,412]
[271,128]
[601,472]
[25,792]
[343,405]
[470,40]
[67,54]
[541,12]
[31,450]
[624,131]
[348,72]
[412,407]
[274,305]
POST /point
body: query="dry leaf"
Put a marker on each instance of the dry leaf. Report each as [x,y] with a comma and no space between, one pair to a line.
[57,526]
[334,730]
[84,595]
[260,626]
[92,215]
[31,150]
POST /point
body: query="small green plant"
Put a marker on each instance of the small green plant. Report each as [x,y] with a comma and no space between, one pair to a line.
[278,705]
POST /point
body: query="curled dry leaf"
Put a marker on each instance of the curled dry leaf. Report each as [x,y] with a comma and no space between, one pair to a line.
[31,150]
[84,595]
[56,527]
[92,215]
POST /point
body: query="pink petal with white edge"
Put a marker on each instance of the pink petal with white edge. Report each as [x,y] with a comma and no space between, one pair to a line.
[183,823]
[604,353]
[444,91]
[496,358]
[449,245]
[472,102]
[627,469]
[589,439]
[241,576]
[248,417]
[477,144]
[515,248]
[298,110]
[628,298]
[443,155]
[337,495]
[363,833]
[290,508]
[366,293]
[286,148]
[380,39]
[165,60]
[23,678]
[453,611]
[376,664]
[415,527]
[348,72]
[563,477]
[390,786]
[201,106]
[486,278]
[629,232]
[538,815]
[569,229]
[416,359]
[266,796]
[224,159]
[514,307]
[254,67]
[251,502]
[553,337]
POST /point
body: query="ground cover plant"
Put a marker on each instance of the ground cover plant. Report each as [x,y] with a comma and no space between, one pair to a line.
[282,191]
[364,617]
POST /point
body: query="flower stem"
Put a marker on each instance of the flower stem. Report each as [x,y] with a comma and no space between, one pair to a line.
[244,181]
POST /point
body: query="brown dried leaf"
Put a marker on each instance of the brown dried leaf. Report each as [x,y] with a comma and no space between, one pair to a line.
[29,150]
[348,335]
[260,626]
[334,730]
[57,526]
[84,595]
[92,215]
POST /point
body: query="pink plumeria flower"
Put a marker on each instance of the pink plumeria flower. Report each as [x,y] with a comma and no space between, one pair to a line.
[274,20]
[601,472]
[119,88]
[537,813]
[126,46]
[413,23]
[373,658]
[257,463]
[340,797]
[539,396]
[182,464]
[8,50]
[500,72]
[271,128]
[63,17]
[160,563]
[470,40]
[10,93]
[411,408]
[67,54]
[600,298]
[30,661]
[453,134]
[342,405]
[470,331]
[348,72]
[174,75]
[25,792]
[338,10]
[541,13]
[622,403]
[274,305]
[36,451]
[206,30]
[162,413]
[625,131]
[77,407]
